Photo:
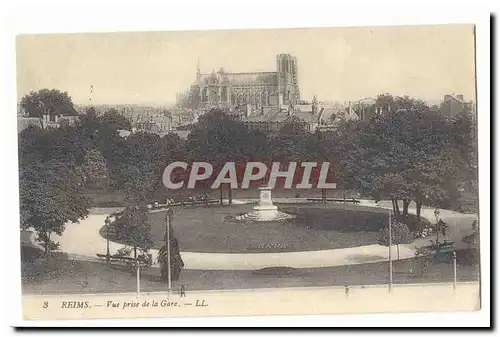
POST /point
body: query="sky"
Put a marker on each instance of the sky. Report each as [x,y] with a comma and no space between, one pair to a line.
[336,64]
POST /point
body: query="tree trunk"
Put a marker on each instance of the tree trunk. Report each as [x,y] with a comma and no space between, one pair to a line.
[221,193]
[47,242]
[398,213]
[419,208]
[343,195]
[406,204]
[395,208]
[230,194]
[398,250]
[164,272]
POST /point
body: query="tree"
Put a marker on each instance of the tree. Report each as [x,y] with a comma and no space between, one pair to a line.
[143,167]
[217,139]
[406,153]
[94,167]
[471,239]
[112,120]
[48,102]
[400,235]
[51,195]
[176,262]
[133,228]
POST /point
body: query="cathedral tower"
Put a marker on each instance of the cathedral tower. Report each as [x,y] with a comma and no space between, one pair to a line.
[288,86]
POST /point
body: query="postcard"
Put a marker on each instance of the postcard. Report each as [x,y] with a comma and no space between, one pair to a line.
[248,172]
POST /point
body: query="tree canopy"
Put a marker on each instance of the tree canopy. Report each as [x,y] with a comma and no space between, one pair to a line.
[51,194]
[404,152]
[48,102]
[133,228]
[400,234]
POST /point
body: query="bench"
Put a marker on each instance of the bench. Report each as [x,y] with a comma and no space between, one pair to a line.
[443,247]
[353,201]
[125,260]
[186,203]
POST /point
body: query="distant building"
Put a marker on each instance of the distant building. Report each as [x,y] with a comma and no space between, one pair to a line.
[362,109]
[262,100]
[453,104]
[181,133]
[25,122]
[47,121]
[221,89]
[272,119]
[156,124]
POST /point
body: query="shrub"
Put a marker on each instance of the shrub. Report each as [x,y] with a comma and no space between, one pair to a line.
[274,271]
[424,232]
[124,252]
[400,234]
[43,240]
[30,253]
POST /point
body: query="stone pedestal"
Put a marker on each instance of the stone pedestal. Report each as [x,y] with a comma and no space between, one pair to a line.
[265,210]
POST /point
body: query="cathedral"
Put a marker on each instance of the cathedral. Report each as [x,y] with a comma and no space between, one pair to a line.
[261,100]
[250,90]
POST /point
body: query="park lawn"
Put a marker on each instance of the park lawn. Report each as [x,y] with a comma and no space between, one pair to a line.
[203,229]
[97,277]
[207,230]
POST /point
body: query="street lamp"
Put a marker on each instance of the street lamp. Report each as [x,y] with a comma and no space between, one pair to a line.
[436,215]
[454,256]
[107,222]
[390,254]
[168,218]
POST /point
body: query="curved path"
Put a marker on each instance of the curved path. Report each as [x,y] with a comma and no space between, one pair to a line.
[83,241]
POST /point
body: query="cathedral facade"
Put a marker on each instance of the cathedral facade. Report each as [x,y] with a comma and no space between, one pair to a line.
[250,90]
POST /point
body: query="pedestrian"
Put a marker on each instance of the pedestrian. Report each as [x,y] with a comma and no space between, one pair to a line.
[183,290]
[346,290]
[85,282]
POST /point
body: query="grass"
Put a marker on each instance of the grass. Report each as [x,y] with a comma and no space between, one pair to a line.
[38,267]
[205,229]
[318,227]
[95,277]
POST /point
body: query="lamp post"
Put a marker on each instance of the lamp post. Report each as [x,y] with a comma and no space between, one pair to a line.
[390,249]
[168,218]
[454,270]
[107,222]
[436,215]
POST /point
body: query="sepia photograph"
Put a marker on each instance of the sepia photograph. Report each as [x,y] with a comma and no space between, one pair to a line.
[248,172]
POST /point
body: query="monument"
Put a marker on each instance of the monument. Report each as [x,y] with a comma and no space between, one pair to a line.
[265,210]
